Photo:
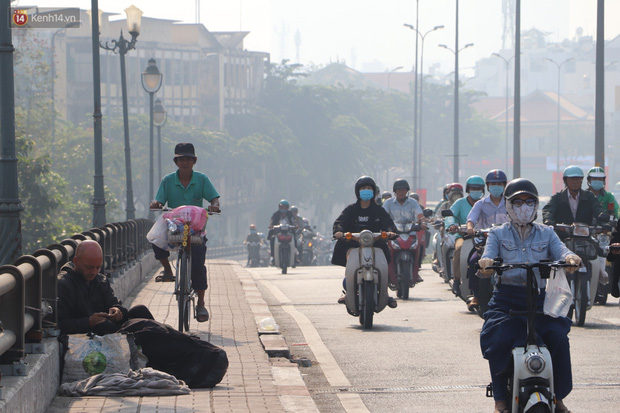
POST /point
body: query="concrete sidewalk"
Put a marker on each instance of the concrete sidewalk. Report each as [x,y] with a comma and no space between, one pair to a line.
[254,381]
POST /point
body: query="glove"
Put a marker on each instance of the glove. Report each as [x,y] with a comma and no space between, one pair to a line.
[483,263]
[573,260]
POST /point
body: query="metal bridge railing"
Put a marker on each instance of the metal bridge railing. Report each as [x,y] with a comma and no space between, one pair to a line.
[28,288]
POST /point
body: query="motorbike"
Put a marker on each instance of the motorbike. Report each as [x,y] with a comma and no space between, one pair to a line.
[366,277]
[253,253]
[604,239]
[406,255]
[443,246]
[530,384]
[580,239]
[306,242]
[284,249]
[264,254]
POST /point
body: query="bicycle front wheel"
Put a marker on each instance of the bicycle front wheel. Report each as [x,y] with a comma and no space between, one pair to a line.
[183,292]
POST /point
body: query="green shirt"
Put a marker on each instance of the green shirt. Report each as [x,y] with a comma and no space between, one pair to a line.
[606,198]
[172,191]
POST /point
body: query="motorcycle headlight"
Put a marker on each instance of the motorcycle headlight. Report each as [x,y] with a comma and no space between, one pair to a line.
[535,363]
[581,231]
[366,238]
[310,243]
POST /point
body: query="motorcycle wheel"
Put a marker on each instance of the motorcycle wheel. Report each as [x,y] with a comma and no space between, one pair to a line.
[540,408]
[283,260]
[368,305]
[405,279]
[581,300]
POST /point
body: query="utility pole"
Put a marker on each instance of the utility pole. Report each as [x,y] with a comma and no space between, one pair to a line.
[599,116]
[517,96]
[10,204]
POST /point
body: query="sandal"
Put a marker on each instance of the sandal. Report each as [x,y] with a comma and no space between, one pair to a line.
[164,277]
[202,314]
[502,411]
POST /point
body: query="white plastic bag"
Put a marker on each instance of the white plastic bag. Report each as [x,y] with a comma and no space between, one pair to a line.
[158,234]
[558,296]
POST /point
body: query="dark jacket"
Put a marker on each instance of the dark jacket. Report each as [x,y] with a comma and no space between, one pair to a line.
[78,300]
[277,217]
[614,277]
[557,210]
[354,218]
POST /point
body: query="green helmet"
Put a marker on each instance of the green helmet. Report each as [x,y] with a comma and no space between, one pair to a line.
[572,171]
[474,180]
[596,172]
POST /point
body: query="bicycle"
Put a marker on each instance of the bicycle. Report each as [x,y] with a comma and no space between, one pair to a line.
[183,290]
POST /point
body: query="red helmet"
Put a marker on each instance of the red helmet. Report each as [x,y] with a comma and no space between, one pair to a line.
[455,187]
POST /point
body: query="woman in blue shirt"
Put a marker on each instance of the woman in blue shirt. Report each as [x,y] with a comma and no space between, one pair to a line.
[521,240]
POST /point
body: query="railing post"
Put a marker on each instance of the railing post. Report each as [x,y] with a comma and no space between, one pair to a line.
[12,338]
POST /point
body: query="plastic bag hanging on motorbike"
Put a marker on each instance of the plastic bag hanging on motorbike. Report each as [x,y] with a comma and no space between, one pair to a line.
[558,296]
[195,216]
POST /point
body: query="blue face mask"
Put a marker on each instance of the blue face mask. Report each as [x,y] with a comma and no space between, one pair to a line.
[597,185]
[496,190]
[367,194]
[252,231]
[475,195]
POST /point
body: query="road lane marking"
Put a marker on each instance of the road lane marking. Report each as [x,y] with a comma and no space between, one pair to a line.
[351,402]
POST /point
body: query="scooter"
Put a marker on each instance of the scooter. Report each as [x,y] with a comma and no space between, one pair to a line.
[306,241]
[530,386]
[284,250]
[444,248]
[366,277]
[474,244]
[253,253]
[604,239]
[579,238]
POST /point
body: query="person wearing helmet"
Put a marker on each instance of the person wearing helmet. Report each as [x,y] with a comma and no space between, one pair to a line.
[572,204]
[596,185]
[444,199]
[520,240]
[385,195]
[362,214]
[460,210]
[404,210]
[490,211]
[252,237]
[454,193]
[282,216]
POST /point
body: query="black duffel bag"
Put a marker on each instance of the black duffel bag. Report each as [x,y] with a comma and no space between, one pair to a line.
[197,362]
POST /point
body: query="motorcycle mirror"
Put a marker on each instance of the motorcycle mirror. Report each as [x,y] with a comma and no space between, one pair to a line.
[428,213]
[447,213]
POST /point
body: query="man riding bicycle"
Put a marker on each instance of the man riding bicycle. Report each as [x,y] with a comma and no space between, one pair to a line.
[187,187]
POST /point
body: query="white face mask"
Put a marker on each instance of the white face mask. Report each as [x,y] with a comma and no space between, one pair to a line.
[522,215]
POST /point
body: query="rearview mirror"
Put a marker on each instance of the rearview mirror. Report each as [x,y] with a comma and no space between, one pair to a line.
[447,213]
[428,213]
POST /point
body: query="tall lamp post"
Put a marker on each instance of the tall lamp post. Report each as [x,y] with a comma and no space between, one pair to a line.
[559,66]
[420,107]
[456,102]
[151,82]
[507,62]
[99,201]
[159,119]
[122,46]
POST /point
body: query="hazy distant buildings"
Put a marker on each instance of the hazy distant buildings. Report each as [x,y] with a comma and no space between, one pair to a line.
[207,75]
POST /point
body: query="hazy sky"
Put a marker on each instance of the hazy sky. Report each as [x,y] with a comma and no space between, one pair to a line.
[369,34]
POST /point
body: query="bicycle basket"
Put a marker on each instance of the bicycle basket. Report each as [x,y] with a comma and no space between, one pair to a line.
[195,216]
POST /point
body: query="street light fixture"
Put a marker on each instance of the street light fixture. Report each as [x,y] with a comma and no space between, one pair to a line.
[159,119]
[389,73]
[122,46]
[420,107]
[507,62]
[559,66]
[151,82]
[456,96]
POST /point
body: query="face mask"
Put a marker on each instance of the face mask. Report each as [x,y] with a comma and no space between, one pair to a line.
[475,195]
[496,190]
[252,231]
[283,211]
[522,215]
[597,185]
[366,194]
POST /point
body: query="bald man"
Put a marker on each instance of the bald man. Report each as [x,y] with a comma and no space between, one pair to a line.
[86,301]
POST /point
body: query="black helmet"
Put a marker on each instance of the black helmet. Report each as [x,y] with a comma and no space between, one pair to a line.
[520,186]
[363,181]
[414,195]
[400,184]
[386,194]
[293,209]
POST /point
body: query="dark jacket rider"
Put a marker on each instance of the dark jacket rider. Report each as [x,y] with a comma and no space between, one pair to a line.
[581,207]
[354,218]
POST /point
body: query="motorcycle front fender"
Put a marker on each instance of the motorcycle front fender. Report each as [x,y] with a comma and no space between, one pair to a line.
[354,273]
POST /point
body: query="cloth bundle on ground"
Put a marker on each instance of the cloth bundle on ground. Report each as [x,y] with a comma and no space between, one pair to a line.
[144,382]
[197,362]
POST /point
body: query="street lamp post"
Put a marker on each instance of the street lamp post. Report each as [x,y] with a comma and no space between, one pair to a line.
[151,82]
[99,201]
[559,66]
[456,101]
[159,119]
[507,62]
[390,73]
[122,46]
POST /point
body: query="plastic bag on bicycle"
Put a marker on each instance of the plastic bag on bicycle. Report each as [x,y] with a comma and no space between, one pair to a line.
[195,216]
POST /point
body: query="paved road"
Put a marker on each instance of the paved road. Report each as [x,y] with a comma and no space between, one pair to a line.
[423,356]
